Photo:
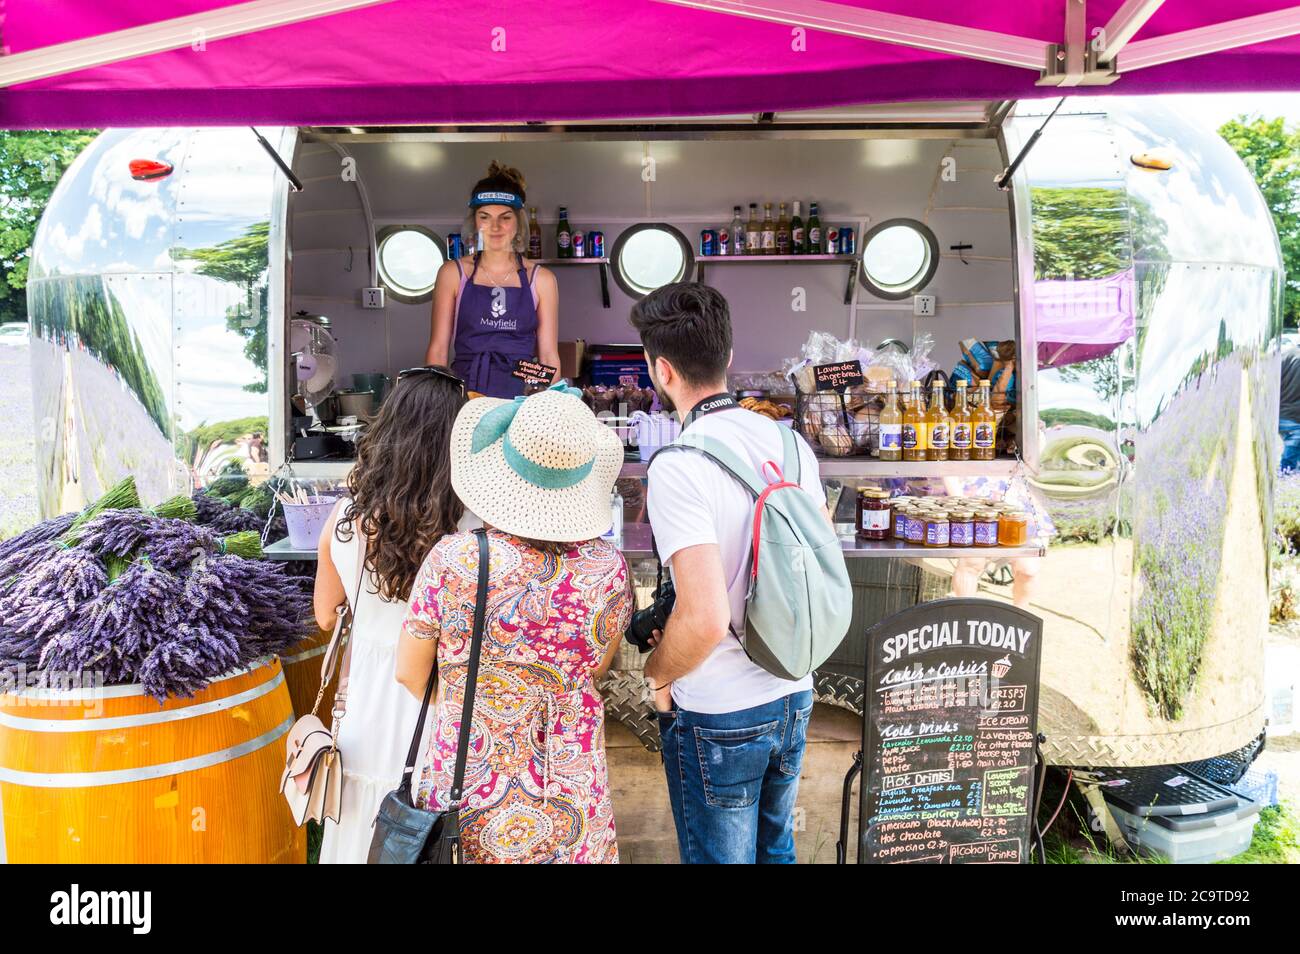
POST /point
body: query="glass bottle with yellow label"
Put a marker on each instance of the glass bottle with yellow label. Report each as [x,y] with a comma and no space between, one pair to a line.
[962,436]
[914,425]
[984,424]
[938,425]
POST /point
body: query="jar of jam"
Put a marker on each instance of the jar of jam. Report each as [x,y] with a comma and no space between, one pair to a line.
[874,521]
[915,532]
[936,529]
[1013,528]
[986,528]
[961,528]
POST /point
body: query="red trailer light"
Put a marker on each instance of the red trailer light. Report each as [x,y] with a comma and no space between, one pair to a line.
[145,170]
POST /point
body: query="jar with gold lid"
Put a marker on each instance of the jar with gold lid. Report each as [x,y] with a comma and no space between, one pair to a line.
[900,512]
[986,528]
[915,530]
[874,521]
[961,528]
[936,529]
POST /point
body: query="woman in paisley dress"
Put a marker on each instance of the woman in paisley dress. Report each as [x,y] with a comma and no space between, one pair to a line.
[539,472]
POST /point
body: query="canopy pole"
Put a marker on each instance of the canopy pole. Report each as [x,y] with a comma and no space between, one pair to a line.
[1260,28]
[174,34]
[915,32]
[1121,27]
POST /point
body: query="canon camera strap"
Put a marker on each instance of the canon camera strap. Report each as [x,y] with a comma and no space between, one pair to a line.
[710,405]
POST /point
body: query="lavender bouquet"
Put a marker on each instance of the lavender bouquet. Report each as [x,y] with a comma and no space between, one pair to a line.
[145,597]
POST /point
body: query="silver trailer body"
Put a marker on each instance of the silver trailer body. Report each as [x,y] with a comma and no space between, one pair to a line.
[1146,305]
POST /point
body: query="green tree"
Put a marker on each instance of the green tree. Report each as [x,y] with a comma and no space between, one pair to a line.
[31,164]
[1271,151]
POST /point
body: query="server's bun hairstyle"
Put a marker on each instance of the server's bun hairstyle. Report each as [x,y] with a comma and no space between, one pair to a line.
[508,173]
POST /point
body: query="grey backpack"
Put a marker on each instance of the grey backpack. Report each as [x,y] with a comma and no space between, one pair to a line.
[800,601]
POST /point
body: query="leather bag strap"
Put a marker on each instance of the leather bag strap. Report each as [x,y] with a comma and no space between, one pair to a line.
[471,683]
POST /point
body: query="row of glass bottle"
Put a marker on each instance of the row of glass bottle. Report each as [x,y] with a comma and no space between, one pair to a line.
[915,432]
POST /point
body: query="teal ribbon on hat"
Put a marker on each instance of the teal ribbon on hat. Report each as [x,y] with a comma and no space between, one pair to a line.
[495,426]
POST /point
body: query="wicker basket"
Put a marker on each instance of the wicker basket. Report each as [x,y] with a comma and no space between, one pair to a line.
[841,423]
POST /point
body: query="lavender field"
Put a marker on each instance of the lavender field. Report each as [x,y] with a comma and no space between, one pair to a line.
[17,438]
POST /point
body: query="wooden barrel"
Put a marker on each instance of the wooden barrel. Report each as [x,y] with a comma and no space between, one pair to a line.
[105,774]
[302,675]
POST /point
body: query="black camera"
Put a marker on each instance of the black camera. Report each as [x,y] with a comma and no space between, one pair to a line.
[655,616]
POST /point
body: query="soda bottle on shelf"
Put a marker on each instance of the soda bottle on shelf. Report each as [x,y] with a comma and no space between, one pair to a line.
[534,235]
[985,425]
[769,230]
[563,236]
[891,425]
[798,238]
[959,444]
[814,230]
[737,232]
[914,442]
[753,232]
[782,233]
[938,424]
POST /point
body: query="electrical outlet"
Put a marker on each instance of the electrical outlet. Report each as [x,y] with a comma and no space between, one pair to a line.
[372,298]
[923,306]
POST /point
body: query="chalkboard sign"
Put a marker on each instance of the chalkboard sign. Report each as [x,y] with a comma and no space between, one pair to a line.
[838,375]
[949,721]
[533,371]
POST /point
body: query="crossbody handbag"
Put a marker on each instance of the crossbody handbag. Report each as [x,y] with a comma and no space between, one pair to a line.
[404,834]
[312,781]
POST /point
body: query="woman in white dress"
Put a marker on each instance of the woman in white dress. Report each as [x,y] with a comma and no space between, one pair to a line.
[401,502]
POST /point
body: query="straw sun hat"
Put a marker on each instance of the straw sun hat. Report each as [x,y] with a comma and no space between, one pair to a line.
[540,467]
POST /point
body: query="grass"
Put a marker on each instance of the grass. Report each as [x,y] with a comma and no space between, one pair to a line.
[1070,841]
[1276,840]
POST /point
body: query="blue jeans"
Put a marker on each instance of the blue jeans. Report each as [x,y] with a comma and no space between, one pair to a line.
[733,778]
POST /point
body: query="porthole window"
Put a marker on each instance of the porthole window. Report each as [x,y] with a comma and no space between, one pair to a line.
[409,259]
[651,255]
[899,258]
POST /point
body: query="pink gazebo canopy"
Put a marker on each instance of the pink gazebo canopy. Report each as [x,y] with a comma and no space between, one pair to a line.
[353,62]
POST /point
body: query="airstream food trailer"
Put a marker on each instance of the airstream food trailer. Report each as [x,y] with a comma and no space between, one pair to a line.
[1131,260]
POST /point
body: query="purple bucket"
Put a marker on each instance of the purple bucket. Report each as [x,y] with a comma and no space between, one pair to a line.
[306,521]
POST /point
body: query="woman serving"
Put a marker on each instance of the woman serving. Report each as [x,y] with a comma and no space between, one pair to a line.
[502,309]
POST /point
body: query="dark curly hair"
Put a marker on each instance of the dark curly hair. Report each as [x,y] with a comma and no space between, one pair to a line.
[400,486]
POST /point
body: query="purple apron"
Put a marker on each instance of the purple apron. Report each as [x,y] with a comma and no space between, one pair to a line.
[495,327]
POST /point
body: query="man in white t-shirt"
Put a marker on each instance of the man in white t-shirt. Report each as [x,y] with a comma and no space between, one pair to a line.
[733,734]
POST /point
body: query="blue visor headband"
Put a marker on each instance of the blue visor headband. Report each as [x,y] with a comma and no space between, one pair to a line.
[493,197]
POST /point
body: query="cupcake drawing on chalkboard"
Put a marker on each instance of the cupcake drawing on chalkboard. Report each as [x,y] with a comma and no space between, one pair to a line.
[1002,667]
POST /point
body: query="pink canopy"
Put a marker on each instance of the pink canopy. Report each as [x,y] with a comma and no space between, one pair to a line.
[370,62]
